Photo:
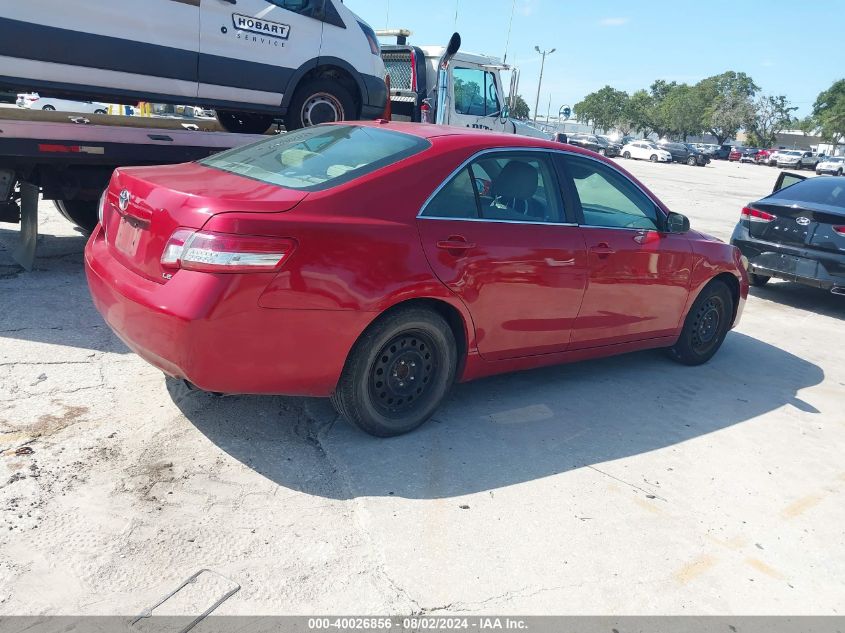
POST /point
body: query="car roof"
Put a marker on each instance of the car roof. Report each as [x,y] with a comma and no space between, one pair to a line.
[472,136]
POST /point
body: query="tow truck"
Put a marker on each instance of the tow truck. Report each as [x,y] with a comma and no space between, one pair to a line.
[69,159]
[444,85]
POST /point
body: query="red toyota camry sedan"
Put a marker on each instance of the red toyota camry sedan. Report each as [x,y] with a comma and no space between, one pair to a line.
[378,263]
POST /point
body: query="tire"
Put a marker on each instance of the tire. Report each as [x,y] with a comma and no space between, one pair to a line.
[100,112]
[602,151]
[378,391]
[319,101]
[818,173]
[244,122]
[691,161]
[706,325]
[839,172]
[758,280]
[48,108]
[653,158]
[626,155]
[82,213]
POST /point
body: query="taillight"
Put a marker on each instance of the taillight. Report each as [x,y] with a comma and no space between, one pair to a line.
[755,215]
[209,252]
[839,229]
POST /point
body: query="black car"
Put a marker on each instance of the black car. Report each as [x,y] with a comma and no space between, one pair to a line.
[682,153]
[596,144]
[796,233]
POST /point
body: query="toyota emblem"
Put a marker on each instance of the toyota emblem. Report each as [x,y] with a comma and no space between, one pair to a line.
[803,221]
[123,200]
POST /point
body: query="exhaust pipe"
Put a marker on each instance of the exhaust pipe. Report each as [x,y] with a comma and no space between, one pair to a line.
[838,290]
[443,100]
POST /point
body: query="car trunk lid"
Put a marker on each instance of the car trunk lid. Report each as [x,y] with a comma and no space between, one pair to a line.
[809,225]
[145,205]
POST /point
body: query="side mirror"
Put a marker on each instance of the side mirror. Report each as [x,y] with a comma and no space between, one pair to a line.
[677,223]
[506,112]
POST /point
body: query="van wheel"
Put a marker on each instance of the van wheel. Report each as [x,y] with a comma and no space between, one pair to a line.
[398,373]
[319,101]
[244,122]
[706,325]
[82,213]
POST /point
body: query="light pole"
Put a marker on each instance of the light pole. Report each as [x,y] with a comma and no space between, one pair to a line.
[540,83]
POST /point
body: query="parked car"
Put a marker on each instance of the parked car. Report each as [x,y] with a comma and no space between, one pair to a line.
[257,270]
[811,160]
[8,96]
[595,143]
[831,165]
[560,137]
[791,158]
[796,233]
[735,154]
[722,152]
[697,156]
[35,102]
[252,60]
[749,155]
[681,153]
[763,156]
[646,150]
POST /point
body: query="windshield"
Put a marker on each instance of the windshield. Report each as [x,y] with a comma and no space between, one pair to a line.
[320,157]
[828,191]
[791,153]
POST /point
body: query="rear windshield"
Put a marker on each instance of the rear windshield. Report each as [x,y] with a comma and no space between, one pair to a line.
[829,191]
[320,157]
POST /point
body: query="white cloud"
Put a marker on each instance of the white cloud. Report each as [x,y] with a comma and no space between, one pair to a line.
[526,7]
[614,21]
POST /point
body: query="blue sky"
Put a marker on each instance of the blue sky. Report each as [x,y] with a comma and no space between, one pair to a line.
[628,44]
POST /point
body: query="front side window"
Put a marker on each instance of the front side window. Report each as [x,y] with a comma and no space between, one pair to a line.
[609,199]
[475,92]
[320,157]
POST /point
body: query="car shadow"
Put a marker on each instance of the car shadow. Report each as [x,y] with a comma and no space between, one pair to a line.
[508,429]
[802,297]
[51,304]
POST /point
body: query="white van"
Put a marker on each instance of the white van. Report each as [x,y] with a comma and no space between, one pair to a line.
[308,61]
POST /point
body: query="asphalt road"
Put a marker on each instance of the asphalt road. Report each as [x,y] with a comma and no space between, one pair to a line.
[629,485]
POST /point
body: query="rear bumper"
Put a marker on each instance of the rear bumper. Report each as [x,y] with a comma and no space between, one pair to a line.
[209,329]
[802,265]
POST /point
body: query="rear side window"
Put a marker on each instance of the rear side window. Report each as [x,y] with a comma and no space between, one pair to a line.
[455,200]
[320,157]
[829,191]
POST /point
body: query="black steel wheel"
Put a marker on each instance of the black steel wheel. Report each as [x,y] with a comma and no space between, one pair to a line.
[398,372]
[705,326]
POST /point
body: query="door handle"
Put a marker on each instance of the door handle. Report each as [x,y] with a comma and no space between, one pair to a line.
[230,1]
[455,244]
[602,249]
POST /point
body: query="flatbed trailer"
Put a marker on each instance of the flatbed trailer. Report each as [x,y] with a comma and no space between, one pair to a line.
[69,159]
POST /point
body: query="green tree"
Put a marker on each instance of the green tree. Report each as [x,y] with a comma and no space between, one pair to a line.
[772,114]
[659,115]
[638,112]
[728,103]
[807,125]
[829,111]
[520,109]
[682,111]
[603,108]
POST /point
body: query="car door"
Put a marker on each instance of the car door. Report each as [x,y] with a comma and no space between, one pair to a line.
[501,237]
[119,47]
[642,151]
[638,275]
[476,103]
[250,49]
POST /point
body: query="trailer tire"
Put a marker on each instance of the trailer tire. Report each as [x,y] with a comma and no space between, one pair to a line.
[244,122]
[82,213]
